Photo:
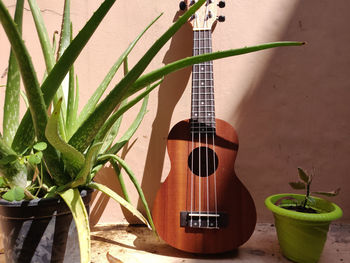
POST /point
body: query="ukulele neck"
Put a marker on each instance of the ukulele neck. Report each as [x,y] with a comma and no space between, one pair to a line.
[203,108]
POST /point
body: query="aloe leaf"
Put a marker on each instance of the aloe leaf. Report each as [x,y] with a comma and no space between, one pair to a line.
[12,98]
[75,203]
[59,71]
[104,189]
[134,181]
[109,123]
[90,159]
[297,185]
[88,130]
[113,132]
[31,84]
[120,179]
[91,104]
[148,78]
[48,54]
[73,159]
[303,176]
[71,109]
[132,129]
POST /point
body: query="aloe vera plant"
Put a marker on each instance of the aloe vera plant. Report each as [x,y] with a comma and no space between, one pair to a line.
[45,155]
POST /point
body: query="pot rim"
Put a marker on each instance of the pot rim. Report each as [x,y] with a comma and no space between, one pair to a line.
[35,202]
[335,212]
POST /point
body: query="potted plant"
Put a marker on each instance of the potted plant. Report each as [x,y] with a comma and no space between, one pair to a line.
[302,221]
[50,158]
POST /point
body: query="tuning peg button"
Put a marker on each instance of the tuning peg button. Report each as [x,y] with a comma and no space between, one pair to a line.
[221,4]
[183,5]
[221,18]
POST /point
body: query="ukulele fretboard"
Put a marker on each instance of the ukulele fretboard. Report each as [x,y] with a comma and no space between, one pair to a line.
[203,108]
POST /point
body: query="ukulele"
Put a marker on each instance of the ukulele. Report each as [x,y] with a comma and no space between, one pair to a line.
[202,207]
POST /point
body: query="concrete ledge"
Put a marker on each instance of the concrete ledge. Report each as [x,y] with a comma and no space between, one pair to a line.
[132,244]
[136,244]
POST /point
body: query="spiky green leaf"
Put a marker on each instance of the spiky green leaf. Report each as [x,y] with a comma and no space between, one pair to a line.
[91,104]
[90,159]
[104,189]
[132,129]
[133,179]
[75,203]
[154,75]
[73,159]
[12,98]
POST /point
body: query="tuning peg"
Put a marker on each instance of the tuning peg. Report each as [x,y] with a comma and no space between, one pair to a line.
[182,5]
[221,4]
[221,18]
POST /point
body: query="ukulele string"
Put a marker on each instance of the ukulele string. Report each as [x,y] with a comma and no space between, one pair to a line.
[207,86]
[199,133]
[206,118]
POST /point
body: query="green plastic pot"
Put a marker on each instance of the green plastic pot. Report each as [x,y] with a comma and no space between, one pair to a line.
[302,235]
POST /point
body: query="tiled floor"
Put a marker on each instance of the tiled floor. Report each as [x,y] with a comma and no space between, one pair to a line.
[137,244]
[131,244]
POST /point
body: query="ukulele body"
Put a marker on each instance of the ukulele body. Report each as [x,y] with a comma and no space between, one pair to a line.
[191,190]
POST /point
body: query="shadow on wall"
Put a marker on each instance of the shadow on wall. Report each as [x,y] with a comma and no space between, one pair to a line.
[170,91]
[298,113]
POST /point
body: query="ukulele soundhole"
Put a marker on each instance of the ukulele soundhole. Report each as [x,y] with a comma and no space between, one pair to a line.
[203,161]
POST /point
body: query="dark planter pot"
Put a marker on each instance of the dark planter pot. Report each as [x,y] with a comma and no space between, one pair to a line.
[40,231]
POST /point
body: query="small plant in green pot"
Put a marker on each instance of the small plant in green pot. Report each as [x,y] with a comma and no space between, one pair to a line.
[302,221]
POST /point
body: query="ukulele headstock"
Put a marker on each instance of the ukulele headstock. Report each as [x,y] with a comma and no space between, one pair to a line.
[205,16]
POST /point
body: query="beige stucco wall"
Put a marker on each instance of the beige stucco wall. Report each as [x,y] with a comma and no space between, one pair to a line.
[289,105]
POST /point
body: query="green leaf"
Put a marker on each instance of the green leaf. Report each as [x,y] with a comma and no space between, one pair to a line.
[14,194]
[12,98]
[115,116]
[303,176]
[73,159]
[329,194]
[40,146]
[36,101]
[133,127]
[297,185]
[75,203]
[134,181]
[113,132]
[34,159]
[90,159]
[148,78]
[47,51]
[91,104]
[120,200]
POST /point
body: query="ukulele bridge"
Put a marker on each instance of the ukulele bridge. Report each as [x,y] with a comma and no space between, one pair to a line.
[208,220]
